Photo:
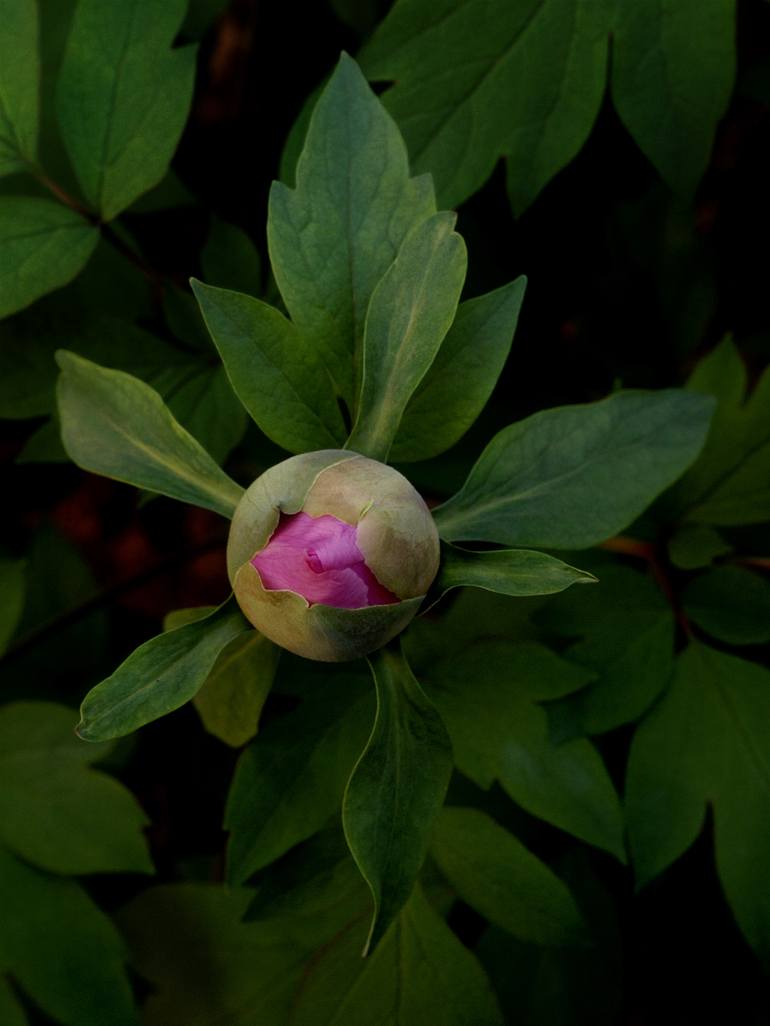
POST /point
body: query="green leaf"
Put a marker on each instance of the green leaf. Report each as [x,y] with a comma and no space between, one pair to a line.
[461,378]
[114,424]
[333,237]
[728,485]
[12,589]
[419,973]
[731,604]
[230,259]
[573,476]
[706,743]
[11,1012]
[160,676]
[123,97]
[54,811]
[507,571]
[409,314]
[488,696]
[396,790]
[278,376]
[474,83]
[63,951]
[19,85]
[493,872]
[44,246]
[231,699]
[205,965]
[626,631]
[290,780]
[673,70]
[693,546]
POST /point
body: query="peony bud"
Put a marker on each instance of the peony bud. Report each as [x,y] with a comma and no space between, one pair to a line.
[331,553]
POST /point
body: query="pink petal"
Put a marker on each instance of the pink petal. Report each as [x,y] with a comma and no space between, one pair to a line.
[319,558]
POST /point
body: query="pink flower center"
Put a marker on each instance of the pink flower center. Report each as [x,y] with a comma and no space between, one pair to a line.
[319,558]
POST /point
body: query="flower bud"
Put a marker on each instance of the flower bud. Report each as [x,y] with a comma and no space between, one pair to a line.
[330,554]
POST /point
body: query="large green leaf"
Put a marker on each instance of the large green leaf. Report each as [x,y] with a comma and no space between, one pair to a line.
[706,743]
[625,629]
[123,97]
[507,571]
[279,377]
[11,1012]
[333,237]
[475,82]
[574,476]
[409,314]
[19,85]
[64,952]
[44,245]
[731,603]
[461,378]
[160,676]
[116,425]
[730,482]
[419,973]
[396,789]
[56,812]
[291,779]
[493,872]
[488,695]
[673,68]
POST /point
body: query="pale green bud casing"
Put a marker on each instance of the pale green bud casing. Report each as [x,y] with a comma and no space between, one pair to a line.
[394,532]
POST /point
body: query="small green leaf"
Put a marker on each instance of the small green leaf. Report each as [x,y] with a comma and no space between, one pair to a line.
[19,85]
[114,424]
[290,780]
[52,939]
[494,873]
[419,973]
[706,743]
[276,374]
[396,790]
[488,695]
[230,259]
[461,378]
[12,589]
[123,97]
[160,676]
[333,237]
[693,546]
[409,314]
[673,71]
[56,812]
[474,83]
[731,603]
[507,572]
[44,245]
[573,476]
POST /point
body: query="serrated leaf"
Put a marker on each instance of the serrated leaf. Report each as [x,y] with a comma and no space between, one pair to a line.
[396,790]
[573,476]
[333,237]
[460,380]
[276,374]
[673,70]
[731,603]
[56,812]
[706,744]
[19,85]
[116,425]
[517,572]
[63,951]
[123,97]
[44,245]
[494,873]
[488,695]
[290,780]
[409,313]
[419,973]
[474,83]
[160,676]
